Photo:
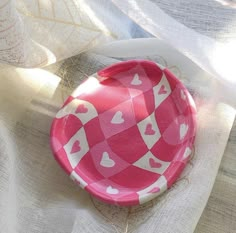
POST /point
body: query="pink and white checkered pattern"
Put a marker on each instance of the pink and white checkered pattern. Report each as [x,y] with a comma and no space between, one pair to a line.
[126,133]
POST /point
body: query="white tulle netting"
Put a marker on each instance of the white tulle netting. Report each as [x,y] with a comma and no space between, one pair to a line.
[73,39]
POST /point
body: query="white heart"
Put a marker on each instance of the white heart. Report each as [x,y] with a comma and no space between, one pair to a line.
[182,94]
[136,80]
[112,190]
[187,152]
[117,118]
[183,130]
[106,161]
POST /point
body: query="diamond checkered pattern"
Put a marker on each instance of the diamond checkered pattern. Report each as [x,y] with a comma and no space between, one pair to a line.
[126,133]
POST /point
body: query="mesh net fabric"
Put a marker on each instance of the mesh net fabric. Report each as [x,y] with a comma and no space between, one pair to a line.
[38,197]
[35,195]
[215,19]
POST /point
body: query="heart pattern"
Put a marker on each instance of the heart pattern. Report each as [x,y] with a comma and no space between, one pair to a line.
[118,118]
[149,130]
[183,129]
[76,181]
[111,190]
[76,147]
[106,161]
[136,80]
[154,190]
[81,109]
[154,164]
[162,90]
[122,143]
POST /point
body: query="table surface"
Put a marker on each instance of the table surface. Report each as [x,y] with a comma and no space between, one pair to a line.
[219,215]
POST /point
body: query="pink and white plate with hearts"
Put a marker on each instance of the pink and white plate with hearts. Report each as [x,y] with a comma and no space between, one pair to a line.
[126,133]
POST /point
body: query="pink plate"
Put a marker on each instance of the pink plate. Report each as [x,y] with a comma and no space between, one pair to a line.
[126,133]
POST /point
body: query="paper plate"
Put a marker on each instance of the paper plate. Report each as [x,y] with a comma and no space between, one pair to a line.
[126,133]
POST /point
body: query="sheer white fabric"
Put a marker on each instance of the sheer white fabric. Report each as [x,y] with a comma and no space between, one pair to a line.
[35,194]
